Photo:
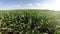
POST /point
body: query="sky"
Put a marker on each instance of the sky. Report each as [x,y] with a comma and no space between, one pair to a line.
[30,4]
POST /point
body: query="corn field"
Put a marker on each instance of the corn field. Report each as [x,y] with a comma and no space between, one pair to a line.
[29,22]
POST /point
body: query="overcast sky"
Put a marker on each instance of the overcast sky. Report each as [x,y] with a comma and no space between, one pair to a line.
[30,4]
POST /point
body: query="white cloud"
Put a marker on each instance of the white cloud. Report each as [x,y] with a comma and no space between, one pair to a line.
[15,7]
[38,4]
[51,6]
[44,4]
[55,5]
[29,4]
[11,7]
[41,4]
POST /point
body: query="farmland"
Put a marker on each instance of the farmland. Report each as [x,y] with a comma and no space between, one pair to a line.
[29,22]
